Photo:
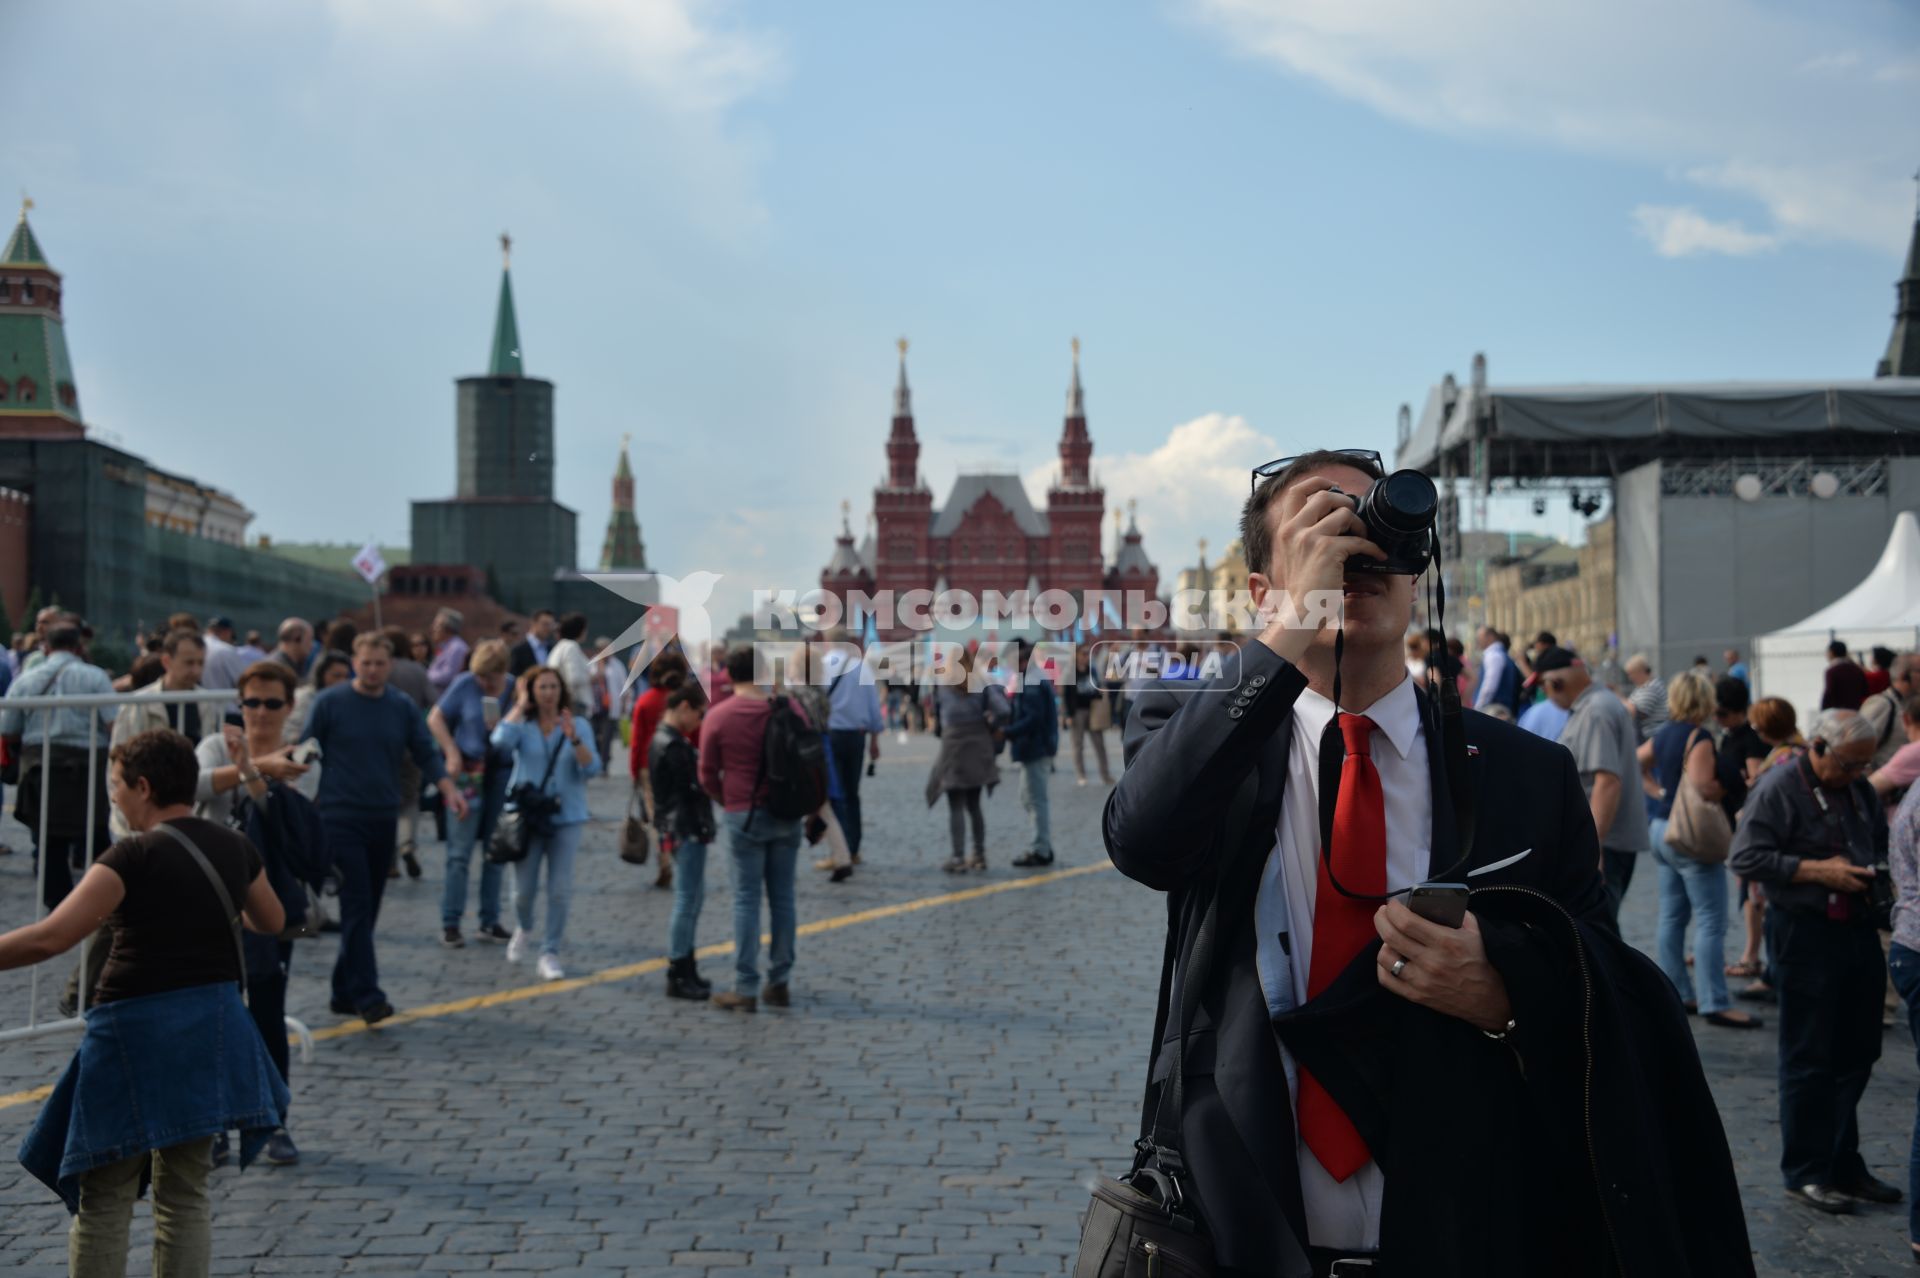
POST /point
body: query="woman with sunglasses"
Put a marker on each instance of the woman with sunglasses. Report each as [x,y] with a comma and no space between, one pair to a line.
[250,759]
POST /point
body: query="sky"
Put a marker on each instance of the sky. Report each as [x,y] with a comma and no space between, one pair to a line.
[1270,223]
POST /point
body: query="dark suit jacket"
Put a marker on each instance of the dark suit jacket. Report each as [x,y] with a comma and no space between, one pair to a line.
[521,659]
[1196,751]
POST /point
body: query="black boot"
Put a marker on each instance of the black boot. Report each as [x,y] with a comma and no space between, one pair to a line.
[700,982]
[684,982]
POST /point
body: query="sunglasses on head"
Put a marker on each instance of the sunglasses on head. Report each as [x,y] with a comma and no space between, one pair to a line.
[1267,470]
[263,703]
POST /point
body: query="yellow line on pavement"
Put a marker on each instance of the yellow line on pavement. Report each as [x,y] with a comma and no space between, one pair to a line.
[501,998]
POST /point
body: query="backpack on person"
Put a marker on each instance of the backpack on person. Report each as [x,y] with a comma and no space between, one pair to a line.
[793,764]
[1508,693]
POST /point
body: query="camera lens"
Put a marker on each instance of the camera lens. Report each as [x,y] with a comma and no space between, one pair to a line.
[1405,502]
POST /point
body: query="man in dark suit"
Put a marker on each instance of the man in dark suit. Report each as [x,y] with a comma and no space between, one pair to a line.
[1360,1084]
[532,651]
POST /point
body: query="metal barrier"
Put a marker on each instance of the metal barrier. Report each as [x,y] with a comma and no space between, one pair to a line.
[96,761]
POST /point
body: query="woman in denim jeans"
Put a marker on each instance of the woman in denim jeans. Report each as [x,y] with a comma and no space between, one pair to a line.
[466,713]
[683,815]
[541,730]
[1689,889]
[1903,961]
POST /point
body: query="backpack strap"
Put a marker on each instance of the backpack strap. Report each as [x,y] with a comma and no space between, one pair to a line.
[220,889]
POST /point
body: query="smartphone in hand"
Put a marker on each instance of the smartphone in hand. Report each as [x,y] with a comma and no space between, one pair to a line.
[1442,903]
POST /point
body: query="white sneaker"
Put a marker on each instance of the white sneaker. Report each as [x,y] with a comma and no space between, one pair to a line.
[550,969]
[517,947]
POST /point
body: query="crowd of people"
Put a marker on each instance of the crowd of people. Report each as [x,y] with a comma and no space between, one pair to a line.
[310,788]
[1818,847]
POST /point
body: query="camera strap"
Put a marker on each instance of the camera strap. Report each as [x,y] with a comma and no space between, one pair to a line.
[1445,731]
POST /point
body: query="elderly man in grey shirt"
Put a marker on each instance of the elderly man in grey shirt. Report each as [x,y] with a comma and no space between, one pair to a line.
[1600,736]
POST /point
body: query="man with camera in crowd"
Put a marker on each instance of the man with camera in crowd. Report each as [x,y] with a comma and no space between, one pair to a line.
[1813,832]
[1358,1079]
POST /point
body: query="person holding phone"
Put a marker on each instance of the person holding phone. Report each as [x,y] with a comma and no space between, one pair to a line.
[550,748]
[247,758]
[1813,832]
[461,722]
[1327,1012]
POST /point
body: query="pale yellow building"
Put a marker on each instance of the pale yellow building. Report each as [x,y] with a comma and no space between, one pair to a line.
[1560,588]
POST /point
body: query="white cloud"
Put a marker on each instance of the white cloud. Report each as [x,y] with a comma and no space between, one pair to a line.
[674,49]
[1683,232]
[1189,487]
[1829,62]
[1718,93]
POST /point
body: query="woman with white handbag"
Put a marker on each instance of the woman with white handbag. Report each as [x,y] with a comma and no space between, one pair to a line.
[1691,835]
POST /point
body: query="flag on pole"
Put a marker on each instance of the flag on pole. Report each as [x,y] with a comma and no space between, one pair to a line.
[369,564]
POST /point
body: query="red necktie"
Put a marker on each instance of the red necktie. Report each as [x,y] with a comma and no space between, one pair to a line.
[1341,929]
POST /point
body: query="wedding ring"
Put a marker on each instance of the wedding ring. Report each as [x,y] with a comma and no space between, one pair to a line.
[1399,965]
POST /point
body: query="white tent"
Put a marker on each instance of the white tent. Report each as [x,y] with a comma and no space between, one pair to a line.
[1882,610]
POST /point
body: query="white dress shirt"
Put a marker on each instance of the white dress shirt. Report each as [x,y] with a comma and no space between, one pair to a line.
[1342,1214]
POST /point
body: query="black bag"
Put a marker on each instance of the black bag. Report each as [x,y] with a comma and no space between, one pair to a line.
[635,836]
[292,843]
[529,812]
[1142,1223]
[793,764]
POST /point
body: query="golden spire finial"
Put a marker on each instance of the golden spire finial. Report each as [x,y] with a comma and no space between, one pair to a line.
[625,440]
[26,202]
[903,347]
[1076,350]
[506,251]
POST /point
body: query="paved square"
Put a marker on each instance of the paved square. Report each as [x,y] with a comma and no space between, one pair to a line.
[948,1080]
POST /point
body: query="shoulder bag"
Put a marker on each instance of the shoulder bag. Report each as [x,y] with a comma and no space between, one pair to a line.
[529,812]
[1143,1222]
[634,843]
[1698,828]
[220,890]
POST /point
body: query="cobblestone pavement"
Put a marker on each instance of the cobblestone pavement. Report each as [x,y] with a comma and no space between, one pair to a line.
[936,1101]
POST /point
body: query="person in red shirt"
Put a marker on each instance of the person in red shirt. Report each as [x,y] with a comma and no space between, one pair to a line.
[669,671]
[1880,673]
[1845,685]
[764,848]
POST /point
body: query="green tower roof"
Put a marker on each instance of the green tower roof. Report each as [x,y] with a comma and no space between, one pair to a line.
[22,248]
[505,360]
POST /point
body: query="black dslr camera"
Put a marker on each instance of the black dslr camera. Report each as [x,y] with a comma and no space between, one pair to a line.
[1399,512]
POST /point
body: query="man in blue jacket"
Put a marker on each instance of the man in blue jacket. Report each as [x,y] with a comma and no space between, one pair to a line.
[1034,738]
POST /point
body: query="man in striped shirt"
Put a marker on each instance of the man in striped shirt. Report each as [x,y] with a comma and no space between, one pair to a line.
[1648,700]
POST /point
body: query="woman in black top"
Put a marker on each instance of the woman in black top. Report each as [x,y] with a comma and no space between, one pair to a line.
[168,1045]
